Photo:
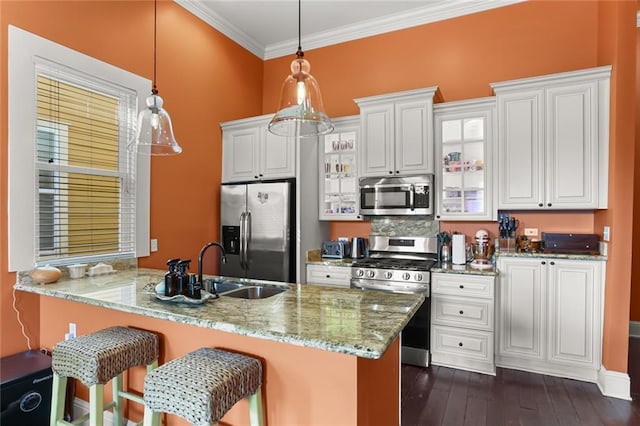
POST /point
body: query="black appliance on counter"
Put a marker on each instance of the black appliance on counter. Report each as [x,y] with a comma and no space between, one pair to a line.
[402,265]
[25,389]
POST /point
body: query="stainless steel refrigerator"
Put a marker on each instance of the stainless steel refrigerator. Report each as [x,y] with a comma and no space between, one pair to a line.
[257,223]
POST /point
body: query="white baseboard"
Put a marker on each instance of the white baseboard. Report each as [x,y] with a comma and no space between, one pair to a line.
[81,407]
[634,329]
[614,384]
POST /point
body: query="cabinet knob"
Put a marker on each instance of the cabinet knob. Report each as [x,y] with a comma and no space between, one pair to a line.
[260,175]
[552,263]
[397,172]
[461,312]
[390,172]
[540,204]
[460,344]
[255,177]
[544,263]
[461,286]
[548,204]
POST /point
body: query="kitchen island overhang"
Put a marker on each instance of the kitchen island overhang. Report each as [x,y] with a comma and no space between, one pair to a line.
[331,355]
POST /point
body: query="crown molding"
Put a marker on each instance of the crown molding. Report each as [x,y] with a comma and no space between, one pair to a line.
[437,11]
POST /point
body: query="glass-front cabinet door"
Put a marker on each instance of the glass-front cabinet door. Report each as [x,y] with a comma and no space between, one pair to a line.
[339,171]
[464,148]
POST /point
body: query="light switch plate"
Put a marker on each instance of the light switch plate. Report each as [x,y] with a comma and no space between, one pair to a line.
[531,232]
[154,245]
[606,233]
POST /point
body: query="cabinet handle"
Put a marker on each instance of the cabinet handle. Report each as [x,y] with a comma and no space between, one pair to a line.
[552,263]
[544,263]
[460,344]
[540,204]
[461,286]
[461,312]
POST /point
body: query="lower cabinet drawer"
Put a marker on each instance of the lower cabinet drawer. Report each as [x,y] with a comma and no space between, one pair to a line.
[462,312]
[462,342]
[329,275]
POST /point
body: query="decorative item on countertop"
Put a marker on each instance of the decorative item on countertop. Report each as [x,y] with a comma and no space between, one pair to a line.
[78,270]
[46,274]
[100,269]
[181,298]
[183,277]
[171,278]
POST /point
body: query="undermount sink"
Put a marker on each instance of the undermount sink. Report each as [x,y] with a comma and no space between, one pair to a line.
[242,291]
[255,292]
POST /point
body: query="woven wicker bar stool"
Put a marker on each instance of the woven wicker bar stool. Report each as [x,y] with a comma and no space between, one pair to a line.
[95,359]
[202,386]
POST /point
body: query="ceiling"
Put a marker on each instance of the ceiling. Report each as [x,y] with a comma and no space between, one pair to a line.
[269,28]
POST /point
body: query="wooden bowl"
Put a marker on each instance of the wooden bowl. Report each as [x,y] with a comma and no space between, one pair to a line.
[46,275]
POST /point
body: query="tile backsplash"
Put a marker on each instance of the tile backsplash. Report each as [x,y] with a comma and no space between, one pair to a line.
[404,226]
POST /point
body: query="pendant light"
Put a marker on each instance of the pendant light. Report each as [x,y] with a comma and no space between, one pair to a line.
[300,112]
[154,135]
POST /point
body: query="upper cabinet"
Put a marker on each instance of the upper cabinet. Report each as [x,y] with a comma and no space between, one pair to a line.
[553,141]
[396,133]
[464,147]
[251,152]
[338,153]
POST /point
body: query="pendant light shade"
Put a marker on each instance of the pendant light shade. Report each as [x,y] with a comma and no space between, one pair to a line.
[300,112]
[154,133]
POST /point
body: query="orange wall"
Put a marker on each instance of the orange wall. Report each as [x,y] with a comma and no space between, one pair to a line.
[462,56]
[204,79]
[635,272]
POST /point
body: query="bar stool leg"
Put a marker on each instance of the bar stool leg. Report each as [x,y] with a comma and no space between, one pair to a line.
[96,405]
[58,391]
[118,415]
[151,418]
[255,408]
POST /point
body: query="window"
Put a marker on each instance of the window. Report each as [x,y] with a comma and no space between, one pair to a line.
[76,193]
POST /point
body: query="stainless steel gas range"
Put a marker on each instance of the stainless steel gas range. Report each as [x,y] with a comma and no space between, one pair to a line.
[403,265]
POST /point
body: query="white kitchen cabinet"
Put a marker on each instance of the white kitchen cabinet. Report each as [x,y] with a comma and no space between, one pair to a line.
[251,152]
[329,275]
[553,138]
[397,133]
[550,316]
[464,147]
[462,321]
[339,171]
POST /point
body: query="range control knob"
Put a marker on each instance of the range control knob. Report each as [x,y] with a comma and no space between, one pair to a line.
[370,274]
[406,276]
[418,277]
[359,273]
[388,275]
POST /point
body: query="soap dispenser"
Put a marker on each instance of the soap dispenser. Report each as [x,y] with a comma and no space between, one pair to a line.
[183,277]
[171,278]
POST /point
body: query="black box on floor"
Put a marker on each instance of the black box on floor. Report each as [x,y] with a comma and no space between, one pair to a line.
[25,389]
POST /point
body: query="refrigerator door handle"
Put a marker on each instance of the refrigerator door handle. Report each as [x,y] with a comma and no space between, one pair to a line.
[242,240]
[247,237]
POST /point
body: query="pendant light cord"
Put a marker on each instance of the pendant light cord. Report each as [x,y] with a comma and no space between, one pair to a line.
[299,53]
[155,19]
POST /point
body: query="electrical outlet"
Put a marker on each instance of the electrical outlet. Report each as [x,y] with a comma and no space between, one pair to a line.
[531,232]
[603,248]
[154,244]
[606,233]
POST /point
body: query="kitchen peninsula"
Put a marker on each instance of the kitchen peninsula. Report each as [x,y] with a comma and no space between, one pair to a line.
[330,355]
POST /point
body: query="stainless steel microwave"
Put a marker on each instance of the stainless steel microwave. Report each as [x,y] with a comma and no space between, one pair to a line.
[408,195]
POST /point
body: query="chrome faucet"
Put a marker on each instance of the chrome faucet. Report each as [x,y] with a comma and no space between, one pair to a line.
[201,255]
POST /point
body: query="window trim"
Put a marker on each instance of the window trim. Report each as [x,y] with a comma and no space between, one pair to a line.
[25,50]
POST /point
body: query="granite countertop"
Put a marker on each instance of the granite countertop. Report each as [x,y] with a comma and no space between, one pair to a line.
[314,257]
[551,255]
[350,321]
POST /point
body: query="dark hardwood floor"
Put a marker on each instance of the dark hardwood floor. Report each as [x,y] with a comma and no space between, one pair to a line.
[444,396]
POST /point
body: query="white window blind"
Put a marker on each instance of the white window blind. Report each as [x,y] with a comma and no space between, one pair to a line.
[76,193]
[85,203]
